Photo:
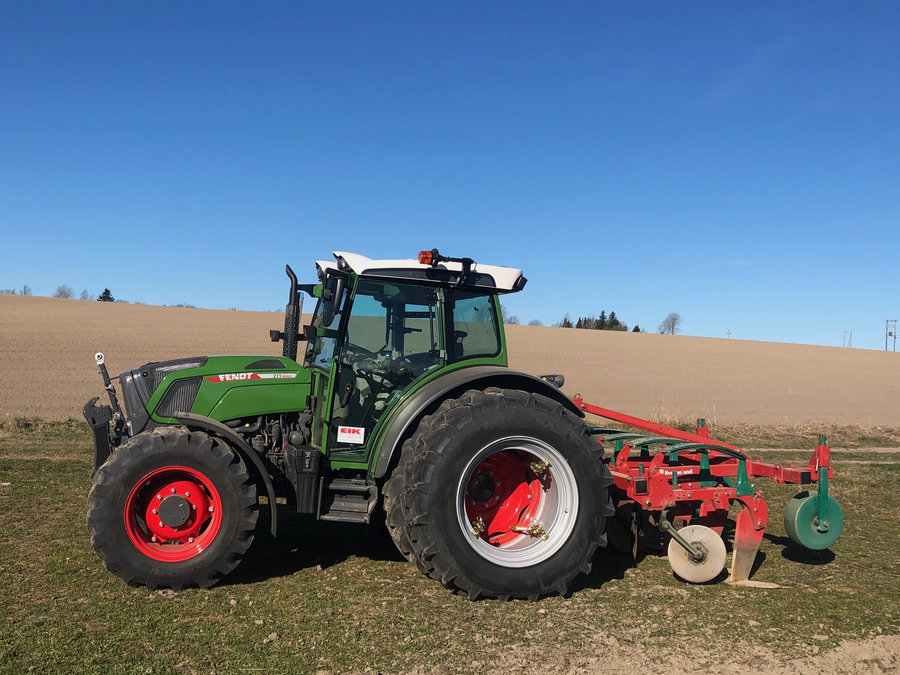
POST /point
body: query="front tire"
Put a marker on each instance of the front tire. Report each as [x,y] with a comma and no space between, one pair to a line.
[502,494]
[172,508]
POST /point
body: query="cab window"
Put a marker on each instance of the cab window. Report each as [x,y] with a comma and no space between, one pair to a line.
[475,327]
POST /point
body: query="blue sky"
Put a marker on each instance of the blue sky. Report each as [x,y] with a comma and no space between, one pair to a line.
[738,163]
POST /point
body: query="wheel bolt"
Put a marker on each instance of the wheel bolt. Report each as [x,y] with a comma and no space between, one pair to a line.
[153,538]
[159,496]
[173,491]
[211,509]
[490,473]
[190,540]
[496,497]
[187,494]
[161,524]
[154,511]
[484,504]
[194,506]
[497,483]
[471,503]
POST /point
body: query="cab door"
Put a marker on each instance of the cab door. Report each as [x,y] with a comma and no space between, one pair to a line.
[392,339]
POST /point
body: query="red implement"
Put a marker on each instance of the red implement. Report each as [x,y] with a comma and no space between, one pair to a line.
[681,478]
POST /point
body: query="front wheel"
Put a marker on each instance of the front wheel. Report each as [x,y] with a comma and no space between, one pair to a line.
[501,493]
[172,508]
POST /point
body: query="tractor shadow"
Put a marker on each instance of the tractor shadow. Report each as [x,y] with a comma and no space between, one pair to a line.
[304,542]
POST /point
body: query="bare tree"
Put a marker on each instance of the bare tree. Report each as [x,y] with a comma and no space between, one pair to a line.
[671,324]
[535,322]
[85,295]
[26,290]
[508,319]
[8,291]
[63,291]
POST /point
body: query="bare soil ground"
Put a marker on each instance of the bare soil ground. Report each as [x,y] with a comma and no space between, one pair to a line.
[726,381]
[47,369]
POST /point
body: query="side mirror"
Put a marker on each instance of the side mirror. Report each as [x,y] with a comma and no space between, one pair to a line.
[332,294]
[309,332]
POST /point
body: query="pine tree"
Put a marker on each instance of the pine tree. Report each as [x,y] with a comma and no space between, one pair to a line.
[106,296]
[579,323]
[613,321]
[636,329]
[601,322]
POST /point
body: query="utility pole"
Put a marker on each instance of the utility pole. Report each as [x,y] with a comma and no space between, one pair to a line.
[728,332]
[890,330]
[848,338]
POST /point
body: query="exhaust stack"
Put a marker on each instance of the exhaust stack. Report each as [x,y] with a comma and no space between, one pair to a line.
[291,318]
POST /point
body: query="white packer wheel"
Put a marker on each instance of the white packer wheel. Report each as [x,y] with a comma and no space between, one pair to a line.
[709,543]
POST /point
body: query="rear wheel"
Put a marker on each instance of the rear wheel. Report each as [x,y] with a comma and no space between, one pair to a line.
[172,508]
[503,494]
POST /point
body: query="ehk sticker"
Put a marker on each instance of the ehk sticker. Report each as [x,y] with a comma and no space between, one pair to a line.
[356,435]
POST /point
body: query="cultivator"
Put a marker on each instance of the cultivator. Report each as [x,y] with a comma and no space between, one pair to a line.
[685,483]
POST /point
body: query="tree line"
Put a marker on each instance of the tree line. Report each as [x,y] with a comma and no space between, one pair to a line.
[602,322]
[66,292]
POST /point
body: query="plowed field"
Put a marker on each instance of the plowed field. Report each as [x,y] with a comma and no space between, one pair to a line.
[47,368]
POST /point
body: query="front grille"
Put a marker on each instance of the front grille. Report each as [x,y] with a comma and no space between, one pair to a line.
[179,398]
[155,373]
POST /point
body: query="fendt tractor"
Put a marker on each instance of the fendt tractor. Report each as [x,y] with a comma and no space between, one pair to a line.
[403,411]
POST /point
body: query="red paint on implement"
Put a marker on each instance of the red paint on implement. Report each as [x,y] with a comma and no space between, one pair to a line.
[658,429]
[189,539]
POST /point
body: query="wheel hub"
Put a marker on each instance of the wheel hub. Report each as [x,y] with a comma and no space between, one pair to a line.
[173,514]
[174,511]
[517,501]
[481,487]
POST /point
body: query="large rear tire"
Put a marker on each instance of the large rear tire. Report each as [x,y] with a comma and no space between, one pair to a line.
[502,494]
[172,508]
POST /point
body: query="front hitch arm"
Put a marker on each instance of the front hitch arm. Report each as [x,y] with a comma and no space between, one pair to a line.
[98,418]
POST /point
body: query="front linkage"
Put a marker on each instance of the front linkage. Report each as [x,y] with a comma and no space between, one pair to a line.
[99,416]
[688,485]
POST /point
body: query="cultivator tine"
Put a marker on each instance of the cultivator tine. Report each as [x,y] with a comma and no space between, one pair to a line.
[750,525]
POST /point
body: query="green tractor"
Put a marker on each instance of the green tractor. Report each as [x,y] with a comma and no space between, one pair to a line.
[400,410]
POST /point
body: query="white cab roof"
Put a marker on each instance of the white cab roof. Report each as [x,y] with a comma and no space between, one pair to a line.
[504,278]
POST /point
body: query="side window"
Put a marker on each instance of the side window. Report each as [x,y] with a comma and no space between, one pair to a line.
[475,331]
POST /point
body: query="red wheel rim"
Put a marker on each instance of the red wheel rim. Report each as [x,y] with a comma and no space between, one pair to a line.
[515,498]
[173,514]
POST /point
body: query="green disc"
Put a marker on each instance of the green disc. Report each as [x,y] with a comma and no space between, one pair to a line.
[801,521]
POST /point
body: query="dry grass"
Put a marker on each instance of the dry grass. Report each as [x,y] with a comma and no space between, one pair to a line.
[340,598]
[801,436]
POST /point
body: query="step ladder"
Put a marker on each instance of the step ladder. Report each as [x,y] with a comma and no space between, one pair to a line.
[347,500]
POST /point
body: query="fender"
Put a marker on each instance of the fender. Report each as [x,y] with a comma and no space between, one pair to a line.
[244,450]
[450,385]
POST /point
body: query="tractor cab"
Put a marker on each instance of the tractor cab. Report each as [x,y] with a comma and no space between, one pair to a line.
[383,327]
